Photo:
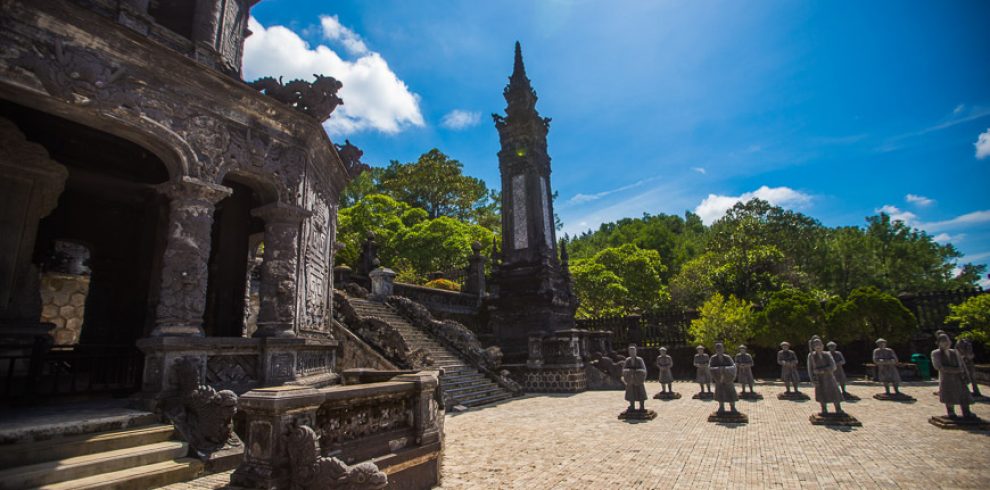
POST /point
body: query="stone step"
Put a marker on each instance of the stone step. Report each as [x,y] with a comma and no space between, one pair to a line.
[471,389]
[477,402]
[77,467]
[460,368]
[138,478]
[460,379]
[71,446]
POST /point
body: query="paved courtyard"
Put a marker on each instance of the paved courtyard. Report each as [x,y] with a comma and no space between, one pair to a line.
[576,442]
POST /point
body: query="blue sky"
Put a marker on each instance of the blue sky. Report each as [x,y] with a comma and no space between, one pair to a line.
[836,109]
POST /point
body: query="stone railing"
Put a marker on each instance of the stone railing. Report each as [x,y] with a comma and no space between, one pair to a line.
[381,336]
[457,338]
[297,436]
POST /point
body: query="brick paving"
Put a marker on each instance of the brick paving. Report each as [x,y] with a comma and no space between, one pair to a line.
[576,442]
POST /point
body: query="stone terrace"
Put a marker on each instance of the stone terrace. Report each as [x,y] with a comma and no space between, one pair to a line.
[576,441]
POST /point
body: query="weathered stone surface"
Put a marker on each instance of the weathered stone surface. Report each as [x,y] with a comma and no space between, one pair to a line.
[638,414]
[200,413]
[832,418]
[894,397]
[728,417]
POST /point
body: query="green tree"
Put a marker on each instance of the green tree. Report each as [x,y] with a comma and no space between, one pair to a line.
[363,185]
[973,318]
[376,213]
[440,244]
[792,315]
[908,259]
[730,320]
[868,314]
[620,280]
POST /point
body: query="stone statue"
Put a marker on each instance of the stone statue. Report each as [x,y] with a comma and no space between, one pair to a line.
[965,349]
[744,372]
[201,414]
[840,372]
[952,388]
[634,377]
[703,375]
[886,361]
[666,378]
[723,373]
[788,361]
[309,470]
[821,371]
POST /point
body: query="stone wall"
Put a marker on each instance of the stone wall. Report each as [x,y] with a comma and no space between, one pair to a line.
[550,380]
[352,352]
[63,300]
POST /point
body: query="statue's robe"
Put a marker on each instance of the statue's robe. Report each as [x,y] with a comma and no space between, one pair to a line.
[744,368]
[702,374]
[821,367]
[886,361]
[723,372]
[840,372]
[788,366]
[952,388]
[664,364]
[634,375]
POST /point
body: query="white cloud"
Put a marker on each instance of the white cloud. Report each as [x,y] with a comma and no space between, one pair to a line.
[968,219]
[959,108]
[983,145]
[333,30]
[458,119]
[919,200]
[583,198]
[374,97]
[700,170]
[714,206]
[946,238]
[898,214]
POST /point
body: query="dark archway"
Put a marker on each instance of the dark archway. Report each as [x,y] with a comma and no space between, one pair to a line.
[232,257]
[111,205]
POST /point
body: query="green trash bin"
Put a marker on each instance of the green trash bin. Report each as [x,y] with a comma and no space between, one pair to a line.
[924,365]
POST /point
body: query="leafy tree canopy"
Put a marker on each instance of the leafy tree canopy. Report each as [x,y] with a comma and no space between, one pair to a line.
[792,315]
[620,280]
[729,320]
[868,314]
[973,318]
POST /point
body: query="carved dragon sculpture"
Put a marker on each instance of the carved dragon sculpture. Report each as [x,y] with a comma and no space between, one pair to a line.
[318,99]
[311,471]
[201,414]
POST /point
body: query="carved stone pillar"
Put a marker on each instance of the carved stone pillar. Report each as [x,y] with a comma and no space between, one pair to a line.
[30,184]
[475,283]
[279,269]
[382,283]
[182,296]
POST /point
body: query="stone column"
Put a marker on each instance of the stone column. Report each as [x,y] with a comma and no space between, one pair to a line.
[382,283]
[182,296]
[475,283]
[279,270]
[30,184]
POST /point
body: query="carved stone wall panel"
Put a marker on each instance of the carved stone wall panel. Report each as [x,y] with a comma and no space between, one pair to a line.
[337,425]
[234,372]
[316,262]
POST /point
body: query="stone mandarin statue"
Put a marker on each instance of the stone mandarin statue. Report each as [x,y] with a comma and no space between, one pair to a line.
[886,361]
[664,365]
[840,372]
[821,370]
[703,375]
[952,389]
[634,376]
[723,373]
[744,371]
[788,361]
[965,349]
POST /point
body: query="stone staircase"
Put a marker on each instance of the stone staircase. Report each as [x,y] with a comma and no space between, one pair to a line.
[463,384]
[135,458]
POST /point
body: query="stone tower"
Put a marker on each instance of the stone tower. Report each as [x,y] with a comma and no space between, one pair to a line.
[534,294]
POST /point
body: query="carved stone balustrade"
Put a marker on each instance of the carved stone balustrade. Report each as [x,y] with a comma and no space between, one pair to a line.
[398,423]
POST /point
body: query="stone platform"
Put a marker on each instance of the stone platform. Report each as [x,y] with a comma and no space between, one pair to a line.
[895,397]
[704,396]
[849,397]
[793,396]
[728,417]
[960,423]
[750,396]
[831,418]
[669,395]
[638,415]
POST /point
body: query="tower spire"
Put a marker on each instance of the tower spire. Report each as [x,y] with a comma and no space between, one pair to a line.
[519,69]
[519,94]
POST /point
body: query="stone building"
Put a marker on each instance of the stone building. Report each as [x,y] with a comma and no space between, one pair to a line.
[147,193]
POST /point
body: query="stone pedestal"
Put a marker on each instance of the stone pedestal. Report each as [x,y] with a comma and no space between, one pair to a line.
[382,283]
[838,419]
[894,397]
[638,415]
[750,395]
[793,396]
[667,395]
[728,417]
[960,423]
[707,395]
[849,397]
